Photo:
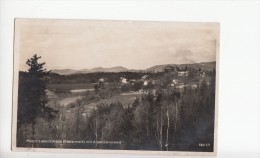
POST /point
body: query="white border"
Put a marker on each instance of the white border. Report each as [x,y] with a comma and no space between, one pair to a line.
[239,112]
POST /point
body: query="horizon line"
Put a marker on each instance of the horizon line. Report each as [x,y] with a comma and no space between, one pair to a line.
[122,67]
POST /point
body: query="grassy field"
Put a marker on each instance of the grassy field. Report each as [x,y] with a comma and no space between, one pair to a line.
[124,99]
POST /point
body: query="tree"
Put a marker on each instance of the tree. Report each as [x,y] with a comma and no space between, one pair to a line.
[96,124]
[32,98]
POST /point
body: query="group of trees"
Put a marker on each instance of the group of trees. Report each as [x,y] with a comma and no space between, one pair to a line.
[166,120]
[110,77]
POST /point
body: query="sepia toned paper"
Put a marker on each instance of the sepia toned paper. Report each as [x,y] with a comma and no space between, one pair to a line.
[133,87]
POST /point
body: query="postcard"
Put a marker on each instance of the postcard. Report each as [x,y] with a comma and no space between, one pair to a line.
[107,86]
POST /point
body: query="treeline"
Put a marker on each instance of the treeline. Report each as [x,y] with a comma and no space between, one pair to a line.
[111,77]
[94,77]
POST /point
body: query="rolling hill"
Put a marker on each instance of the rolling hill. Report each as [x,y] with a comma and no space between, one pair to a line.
[157,68]
[84,71]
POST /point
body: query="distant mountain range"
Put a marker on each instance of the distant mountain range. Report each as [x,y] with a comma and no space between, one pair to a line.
[84,71]
[156,68]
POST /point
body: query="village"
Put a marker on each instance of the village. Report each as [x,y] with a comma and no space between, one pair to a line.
[172,77]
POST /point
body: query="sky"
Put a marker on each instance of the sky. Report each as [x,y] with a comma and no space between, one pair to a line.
[84,44]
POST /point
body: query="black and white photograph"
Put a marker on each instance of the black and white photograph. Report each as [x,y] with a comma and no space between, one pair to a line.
[115,85]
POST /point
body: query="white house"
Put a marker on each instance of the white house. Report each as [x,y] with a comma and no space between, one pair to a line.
[101,80]
[123,80]
[174,82]
[146,83]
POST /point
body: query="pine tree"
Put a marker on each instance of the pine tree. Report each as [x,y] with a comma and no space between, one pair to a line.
[32,98]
